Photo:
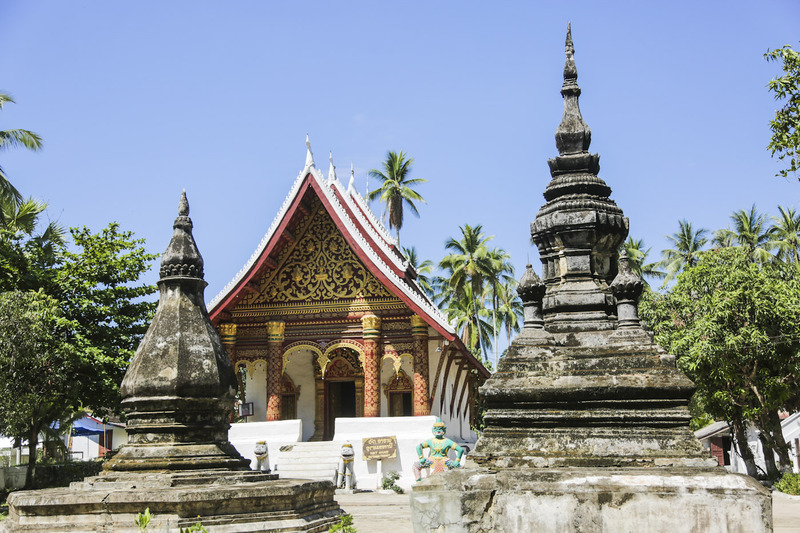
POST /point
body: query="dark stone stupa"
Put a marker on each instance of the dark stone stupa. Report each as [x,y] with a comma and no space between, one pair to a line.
[587,420]
[177,394]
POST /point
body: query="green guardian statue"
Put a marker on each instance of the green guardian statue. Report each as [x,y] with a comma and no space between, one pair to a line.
[439,447]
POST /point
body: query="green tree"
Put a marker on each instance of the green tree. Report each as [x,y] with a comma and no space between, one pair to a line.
[500,272]
[751,230]
[396,188]
[785,233]
[424,269]
[17,138]
[637,257]
[687,245]
[470,262]
[509,312]
[785,140]
[38,364]
[733,325]
[100,292]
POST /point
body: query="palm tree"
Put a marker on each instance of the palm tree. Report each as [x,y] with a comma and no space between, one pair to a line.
[501,271]
[637,257]
[396,188]
[510,310]
[470,263]
[14,139]
[469,318]
[423,269]
[24,218]
[751,231]
[687,245]
[786,235]
[723,238]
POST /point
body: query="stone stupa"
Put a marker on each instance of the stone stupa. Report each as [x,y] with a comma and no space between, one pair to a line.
[587,421]
[177,395]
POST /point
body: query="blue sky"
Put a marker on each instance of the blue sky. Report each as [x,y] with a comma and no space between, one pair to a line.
[137,100]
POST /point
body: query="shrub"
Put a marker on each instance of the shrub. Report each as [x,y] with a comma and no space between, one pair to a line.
[789,484]
[389,482]
[345,525]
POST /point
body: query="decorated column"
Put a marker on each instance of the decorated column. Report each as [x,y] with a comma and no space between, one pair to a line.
[419,332]
[274,368]
[371,326]
[227,334]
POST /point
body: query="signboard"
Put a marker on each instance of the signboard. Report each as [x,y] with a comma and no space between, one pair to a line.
[379,448]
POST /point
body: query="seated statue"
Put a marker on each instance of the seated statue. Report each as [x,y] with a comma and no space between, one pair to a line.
[262,456]
[439,447]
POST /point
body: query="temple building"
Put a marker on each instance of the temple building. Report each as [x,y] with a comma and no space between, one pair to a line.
[326,320]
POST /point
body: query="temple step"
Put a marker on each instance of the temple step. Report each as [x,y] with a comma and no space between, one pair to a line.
[309,460]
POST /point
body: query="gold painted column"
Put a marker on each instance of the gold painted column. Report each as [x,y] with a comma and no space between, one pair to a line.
[275,331]
[227,334]
[421,399]
[371,326]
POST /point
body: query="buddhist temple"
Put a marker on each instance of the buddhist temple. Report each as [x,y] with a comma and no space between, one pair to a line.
[326,320]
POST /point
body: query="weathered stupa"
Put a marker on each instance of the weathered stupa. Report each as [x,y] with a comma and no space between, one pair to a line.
[177,395]
[587,418]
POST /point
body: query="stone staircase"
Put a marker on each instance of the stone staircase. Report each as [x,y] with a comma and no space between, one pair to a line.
[309,460]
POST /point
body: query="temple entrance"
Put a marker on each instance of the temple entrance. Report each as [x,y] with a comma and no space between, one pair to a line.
[341,403]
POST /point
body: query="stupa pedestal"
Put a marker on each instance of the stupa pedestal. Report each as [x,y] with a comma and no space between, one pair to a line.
[177,395]
[587,421]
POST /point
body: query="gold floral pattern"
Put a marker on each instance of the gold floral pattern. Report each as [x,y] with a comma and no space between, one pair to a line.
[320,266]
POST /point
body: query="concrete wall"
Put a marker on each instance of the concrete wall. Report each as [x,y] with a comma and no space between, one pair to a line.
[256,391]
[301,371]
[409,430]
[244,436]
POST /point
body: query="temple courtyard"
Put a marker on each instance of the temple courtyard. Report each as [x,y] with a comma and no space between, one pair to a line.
[381,513]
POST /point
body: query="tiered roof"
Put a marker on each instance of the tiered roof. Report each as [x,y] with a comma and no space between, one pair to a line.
[365,234]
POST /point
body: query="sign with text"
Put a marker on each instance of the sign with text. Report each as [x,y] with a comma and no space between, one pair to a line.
[379,448]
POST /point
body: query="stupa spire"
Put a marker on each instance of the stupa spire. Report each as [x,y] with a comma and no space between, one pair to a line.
[573,135]
[309,154]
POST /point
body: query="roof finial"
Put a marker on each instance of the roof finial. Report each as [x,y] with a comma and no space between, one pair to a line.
[309,154]
[352,177]
[183,205]
[573,136]
[332,169]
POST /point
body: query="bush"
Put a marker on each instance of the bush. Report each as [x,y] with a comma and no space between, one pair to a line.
[389,482]
[789,484]
[345,525]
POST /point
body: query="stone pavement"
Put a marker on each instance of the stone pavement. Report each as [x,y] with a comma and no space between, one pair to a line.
[374,512]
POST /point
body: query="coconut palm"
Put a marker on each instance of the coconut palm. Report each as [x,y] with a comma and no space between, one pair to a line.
[14,139]
[637,256]
[687,245]
[395,189]
[510,310]
[423,269]
[470,320]
[470,263]
[501,271]
[751,231]
[785,233]
[24,218]
[723,238]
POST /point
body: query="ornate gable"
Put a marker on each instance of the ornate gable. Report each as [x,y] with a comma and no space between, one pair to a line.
[319,266]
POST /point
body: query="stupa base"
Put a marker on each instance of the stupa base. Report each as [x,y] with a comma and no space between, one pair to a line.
[223,501]
[634,500]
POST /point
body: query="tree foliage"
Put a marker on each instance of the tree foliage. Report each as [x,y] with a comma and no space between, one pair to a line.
[396,188]
[785,140]
[733,324]
[39,363]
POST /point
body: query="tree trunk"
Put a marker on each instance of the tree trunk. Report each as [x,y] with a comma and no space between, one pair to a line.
[740,436]
[33,442]
[778,443]
[769,457]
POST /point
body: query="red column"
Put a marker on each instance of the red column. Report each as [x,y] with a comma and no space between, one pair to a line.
[371,326]
[421,399]
[274,369]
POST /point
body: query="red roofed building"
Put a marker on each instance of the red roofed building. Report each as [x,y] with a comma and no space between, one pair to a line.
[327,320]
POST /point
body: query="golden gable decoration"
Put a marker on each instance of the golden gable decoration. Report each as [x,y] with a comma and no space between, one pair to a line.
[321,266]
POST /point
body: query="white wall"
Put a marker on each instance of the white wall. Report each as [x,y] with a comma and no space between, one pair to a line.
[256,391]
[244,436]
[301,370]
